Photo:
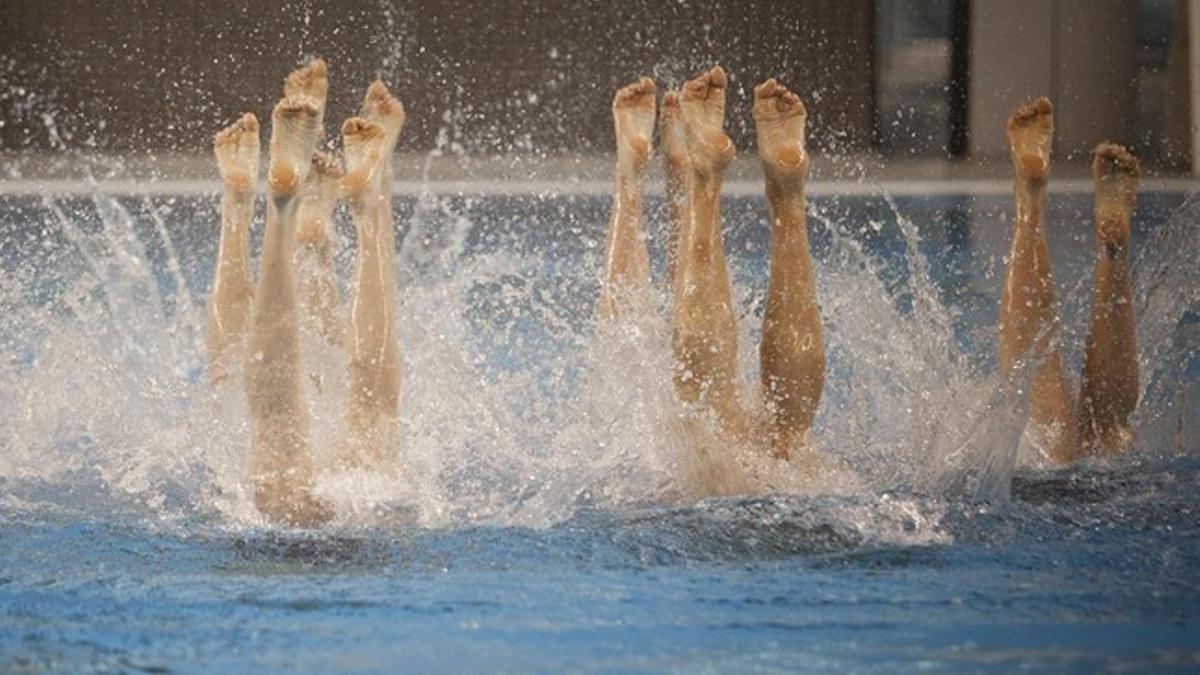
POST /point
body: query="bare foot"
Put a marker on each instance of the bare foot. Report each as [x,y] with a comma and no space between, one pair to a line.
[1115,172]
[779,119]
[236,148]
[380,107]
[363,141]
[670,124]
[703,112]
[311,81]
[296,128]
[320,193]
[1030,133]
[633,118]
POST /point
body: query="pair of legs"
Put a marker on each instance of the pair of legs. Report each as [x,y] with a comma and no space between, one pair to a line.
[704,329]
[261,324]
[1029,325]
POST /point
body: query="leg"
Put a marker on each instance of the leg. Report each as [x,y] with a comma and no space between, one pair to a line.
[704,335]
[792,353]
[314,252]
[1109,390]
[371,340]
[675,152]
[380,107]
[236,148]
[627,262]
[1028,316]
[280,460]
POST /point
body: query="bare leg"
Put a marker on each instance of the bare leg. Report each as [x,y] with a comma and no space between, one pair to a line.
[792,353]
[627,262]
[674,144]
[280,460]
[372,346]
[371,339]
[1109,390]
[314,253]
[1029,321]
[380,107]
[705,332]
[237,151]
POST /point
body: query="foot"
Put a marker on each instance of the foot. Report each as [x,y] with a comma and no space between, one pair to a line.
[320,192]
[1030,134]
[236,148]
[703,110]
[380,107]
[779,119]
[670,130]
[633,119]
[311,81]
[363,141]
[1115,172]
[296,128]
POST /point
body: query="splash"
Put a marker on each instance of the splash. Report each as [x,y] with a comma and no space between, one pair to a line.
[515,409]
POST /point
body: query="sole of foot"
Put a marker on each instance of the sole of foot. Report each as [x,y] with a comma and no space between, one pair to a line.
[1115,172]
[779,123]
[1030,133]
[237,150]
[311,80]
[670,125]
[380,107]
[633,120]
[702,106]
[363,141]
[296,128]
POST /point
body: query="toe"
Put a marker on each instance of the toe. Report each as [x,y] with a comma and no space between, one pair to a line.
[790,103]
[377,91]
[766,89]
[1031,111]
[1112,158]
[717,78]
[696,88]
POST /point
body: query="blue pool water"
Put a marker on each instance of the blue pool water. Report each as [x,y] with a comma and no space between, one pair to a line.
[535,542]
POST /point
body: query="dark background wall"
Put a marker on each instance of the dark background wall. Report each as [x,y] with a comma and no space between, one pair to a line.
[508,76]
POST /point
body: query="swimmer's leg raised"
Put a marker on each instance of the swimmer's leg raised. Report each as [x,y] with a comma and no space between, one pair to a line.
[704,334]
[1109,389]
[674,142]
[1029,323]
[237,151]
[314,248]
[380,107]
[627,262]
[371,340]
[792,351]
[280,458]
[314,255]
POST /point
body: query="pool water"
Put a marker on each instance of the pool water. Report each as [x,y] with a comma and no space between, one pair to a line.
[533,534]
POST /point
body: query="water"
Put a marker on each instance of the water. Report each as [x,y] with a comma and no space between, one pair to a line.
[534,522]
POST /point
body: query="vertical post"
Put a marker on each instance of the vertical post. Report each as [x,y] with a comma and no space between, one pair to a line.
[960,71]
[1193,37]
